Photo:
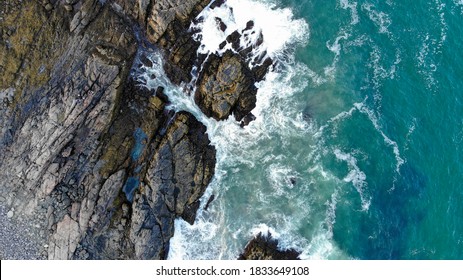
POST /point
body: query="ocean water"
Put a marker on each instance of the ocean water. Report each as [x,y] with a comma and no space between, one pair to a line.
[356,152]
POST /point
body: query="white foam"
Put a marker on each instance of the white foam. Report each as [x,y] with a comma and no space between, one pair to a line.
[279,177]
[322,247]
[320,170]
[395,148]
[339,117]
[459,3]
[356,176]
[265,230]
[380,19]
[444,27]
[201,230]
[278,27]
[331,213]
[381,73]
[411,129]
[431,47]
[335,47]
[426,63]
[352,6]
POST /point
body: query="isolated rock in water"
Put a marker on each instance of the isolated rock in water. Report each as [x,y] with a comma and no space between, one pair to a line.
[220,24]
[264,247]
[247,119]
[226,83]
[226,86]
[209,201]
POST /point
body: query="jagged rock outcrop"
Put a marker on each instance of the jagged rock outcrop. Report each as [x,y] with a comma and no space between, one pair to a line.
[226,86]
[91,159]
[166,24]
[85,151]
[264,247]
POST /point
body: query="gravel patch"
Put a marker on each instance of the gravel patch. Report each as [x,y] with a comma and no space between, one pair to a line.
[19,239]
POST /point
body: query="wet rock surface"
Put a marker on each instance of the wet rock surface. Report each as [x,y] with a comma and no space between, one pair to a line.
[226,87]
[264,247]
[226,84]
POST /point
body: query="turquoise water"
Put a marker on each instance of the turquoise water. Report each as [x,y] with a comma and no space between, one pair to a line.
[356,150]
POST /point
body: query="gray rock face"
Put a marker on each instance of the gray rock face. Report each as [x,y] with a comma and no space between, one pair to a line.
[82,144]
[183,165]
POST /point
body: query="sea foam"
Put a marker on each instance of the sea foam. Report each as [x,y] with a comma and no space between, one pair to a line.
[278,27]
[238,147]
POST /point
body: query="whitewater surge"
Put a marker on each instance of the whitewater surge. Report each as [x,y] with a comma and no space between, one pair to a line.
[319,167]
[245,149]
[259,161]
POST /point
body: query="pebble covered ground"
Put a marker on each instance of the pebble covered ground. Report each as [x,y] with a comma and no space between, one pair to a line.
[18,240]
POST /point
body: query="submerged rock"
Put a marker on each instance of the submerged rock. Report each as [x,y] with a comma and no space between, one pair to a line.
[264,247]
[209,201]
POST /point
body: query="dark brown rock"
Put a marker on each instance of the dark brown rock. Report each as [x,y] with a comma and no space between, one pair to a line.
[249,25]
[264,247]
[234,39]
[226,86]
[220,24]
[247,119]
[209,201]
[217,3]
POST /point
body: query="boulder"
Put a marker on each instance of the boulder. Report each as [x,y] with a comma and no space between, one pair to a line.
[264,247]
[226,87]
[226,83]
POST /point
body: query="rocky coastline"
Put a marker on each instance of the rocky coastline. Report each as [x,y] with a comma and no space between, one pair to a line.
[91,159]
[265,247]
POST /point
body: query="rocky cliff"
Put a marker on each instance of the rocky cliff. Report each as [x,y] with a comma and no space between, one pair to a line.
[92,164]
[90,161]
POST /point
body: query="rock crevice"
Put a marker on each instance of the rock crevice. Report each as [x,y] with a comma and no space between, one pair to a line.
[81,141]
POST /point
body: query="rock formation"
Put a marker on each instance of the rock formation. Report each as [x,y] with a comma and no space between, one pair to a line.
[227,83]
[264,247]
[91,159]
[89,156]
